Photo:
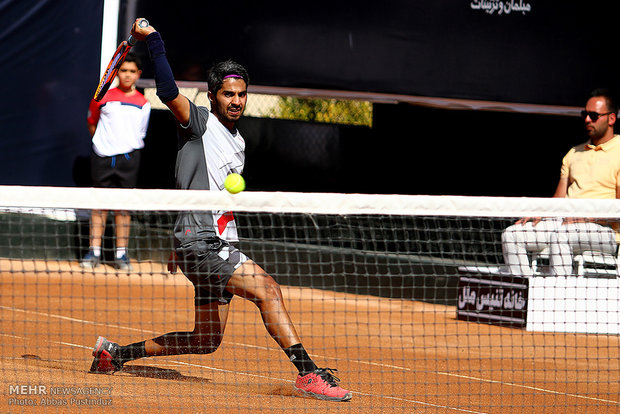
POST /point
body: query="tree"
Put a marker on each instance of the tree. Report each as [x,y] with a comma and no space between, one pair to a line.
[325,110]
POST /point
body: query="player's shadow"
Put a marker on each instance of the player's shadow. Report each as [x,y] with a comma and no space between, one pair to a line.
[133,370]
[284,391]
[144,371]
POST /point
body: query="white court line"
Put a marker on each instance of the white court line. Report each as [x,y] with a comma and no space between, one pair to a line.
[350,360]
[388,397]
[73,345]
[529,387]
[12,336]
[67,318]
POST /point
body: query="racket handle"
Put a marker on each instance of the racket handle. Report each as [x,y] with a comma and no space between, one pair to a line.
[142,23]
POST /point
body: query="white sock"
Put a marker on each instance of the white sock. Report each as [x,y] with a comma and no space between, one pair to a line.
[120,251]
[96,250]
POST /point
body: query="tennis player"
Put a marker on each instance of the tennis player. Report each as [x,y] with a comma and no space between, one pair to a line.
[210,148]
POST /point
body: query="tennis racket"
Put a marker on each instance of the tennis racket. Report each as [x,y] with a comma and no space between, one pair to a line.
[115,63]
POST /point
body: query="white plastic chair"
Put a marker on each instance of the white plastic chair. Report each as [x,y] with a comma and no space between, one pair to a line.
[588,263]
[540,262]
[597,264]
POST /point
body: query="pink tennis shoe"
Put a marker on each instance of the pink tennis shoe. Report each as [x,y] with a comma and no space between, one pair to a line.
[322,384]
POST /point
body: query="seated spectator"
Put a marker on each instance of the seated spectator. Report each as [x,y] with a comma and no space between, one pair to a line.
[589,170]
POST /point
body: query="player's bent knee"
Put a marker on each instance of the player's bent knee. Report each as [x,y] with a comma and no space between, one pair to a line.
[271,289]
[271,295]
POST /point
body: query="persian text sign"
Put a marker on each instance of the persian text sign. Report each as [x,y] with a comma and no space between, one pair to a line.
[493,299]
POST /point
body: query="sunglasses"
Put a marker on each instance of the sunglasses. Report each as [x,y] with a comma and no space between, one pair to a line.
[594,116]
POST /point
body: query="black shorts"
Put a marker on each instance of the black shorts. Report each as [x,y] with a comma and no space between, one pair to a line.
[119,171]
[209,264]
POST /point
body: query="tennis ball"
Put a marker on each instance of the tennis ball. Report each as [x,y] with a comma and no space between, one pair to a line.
[234,183]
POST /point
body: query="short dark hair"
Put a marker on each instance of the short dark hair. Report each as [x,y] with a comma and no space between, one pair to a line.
[217,73]
[609,99]
[135,59]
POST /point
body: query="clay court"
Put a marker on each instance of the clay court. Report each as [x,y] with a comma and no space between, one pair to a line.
[397,356]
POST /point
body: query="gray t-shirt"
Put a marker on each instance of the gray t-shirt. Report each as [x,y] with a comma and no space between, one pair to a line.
[207,153]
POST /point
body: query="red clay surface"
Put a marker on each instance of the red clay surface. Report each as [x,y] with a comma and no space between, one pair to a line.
[397,356]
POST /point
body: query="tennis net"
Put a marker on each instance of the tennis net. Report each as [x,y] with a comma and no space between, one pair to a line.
[407,296]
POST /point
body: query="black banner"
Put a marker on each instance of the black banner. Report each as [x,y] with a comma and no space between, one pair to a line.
[513,51]
[519,51]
